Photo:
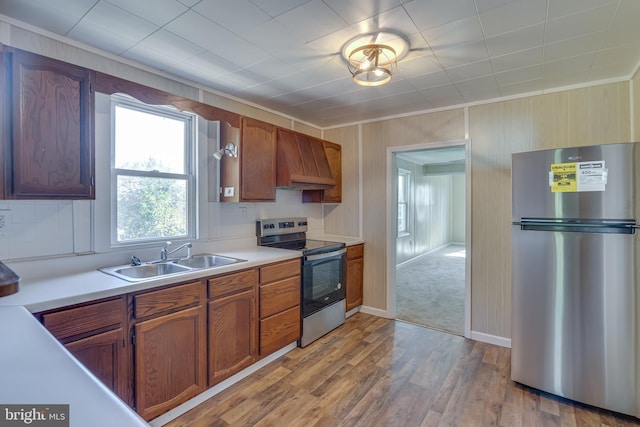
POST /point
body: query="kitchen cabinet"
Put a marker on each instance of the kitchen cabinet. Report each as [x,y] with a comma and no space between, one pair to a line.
[250,177]
[49,140]
[333,152]
[233,324]
[302,162]
[355,271]
[170,347]
[96,335]
[279,305]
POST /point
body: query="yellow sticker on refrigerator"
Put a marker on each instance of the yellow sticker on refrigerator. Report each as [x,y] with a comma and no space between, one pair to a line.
[578,177]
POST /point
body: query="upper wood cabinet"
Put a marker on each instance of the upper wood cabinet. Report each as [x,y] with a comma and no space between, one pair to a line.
[334,194]
[250,177]
[49,145]
[302,162]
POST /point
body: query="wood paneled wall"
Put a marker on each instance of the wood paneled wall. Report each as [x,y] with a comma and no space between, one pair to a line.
[376,137]
[636,106]
[588,116]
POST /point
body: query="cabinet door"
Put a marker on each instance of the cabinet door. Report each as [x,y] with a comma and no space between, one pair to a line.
[355,270]
[257,161]
[106,356]
[52,141]
[334,194]
[232,335]
[170,359]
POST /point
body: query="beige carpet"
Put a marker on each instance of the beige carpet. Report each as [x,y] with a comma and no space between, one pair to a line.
[430,290]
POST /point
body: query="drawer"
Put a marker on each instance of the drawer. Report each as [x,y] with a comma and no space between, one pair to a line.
[232,283]
[80,320]
[280,271]
[279,330]
[278,296]
[167,299]
[355,251]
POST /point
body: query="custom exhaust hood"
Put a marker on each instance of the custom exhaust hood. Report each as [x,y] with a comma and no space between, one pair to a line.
[302,162]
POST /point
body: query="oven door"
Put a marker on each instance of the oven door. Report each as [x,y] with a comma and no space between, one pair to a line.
[323,279]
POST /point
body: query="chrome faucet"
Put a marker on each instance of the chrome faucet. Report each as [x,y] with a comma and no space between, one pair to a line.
[165,252]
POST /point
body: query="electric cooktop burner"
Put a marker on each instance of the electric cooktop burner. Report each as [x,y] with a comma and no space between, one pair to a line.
[290,233]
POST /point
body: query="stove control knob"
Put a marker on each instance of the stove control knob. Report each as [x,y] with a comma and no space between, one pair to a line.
[301,223]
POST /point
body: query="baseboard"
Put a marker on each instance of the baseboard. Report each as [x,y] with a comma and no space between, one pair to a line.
[491,339]
[209,393]
[352,311]
[375,312]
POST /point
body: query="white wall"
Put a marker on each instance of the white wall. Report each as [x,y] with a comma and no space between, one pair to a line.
[458,209]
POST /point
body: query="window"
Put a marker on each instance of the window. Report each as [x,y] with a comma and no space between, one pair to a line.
[404,177]
[152,173]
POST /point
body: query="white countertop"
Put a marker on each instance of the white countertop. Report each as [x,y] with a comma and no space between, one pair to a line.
[37,370]
[63,290]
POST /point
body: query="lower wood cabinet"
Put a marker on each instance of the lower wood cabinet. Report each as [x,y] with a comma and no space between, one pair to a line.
[233,324]
[355,271]
[279,305]
[170,347]
[96,335]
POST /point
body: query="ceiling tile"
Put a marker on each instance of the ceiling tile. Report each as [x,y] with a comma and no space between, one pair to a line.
[434,13]
[236,16]
[465,72]
[520,75]
[220,41]
[627,56]
[521,87]
[572,47]
[311,21]
[278,7]
[438,78]
[158,12]
[462,54]
[480,88]
[442,95]
[461,31]
[513,16]
[569,7]
[579,24]
[513,61]
[394,19]
[515,41]
[627,14]
[163,45]
[208,65]
[580,65]
[355,11]
[110,28]
[484,5]
[418,66]
[59,19]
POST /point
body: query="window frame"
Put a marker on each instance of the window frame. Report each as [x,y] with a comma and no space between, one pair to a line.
[406,174]
[189,175]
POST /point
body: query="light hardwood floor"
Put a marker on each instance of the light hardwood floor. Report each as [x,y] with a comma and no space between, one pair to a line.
[379,372]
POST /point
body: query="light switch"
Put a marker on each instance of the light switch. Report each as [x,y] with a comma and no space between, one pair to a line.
[229,191]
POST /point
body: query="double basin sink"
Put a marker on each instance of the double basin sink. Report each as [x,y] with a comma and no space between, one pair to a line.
[157,269]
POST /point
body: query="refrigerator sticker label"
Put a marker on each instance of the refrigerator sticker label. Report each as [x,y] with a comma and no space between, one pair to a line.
[592,176]
[578,177]
[562,178]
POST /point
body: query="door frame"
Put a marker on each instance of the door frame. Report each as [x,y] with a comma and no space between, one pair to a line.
[392,221]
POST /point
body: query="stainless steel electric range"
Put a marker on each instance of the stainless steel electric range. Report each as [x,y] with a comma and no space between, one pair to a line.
[323,273]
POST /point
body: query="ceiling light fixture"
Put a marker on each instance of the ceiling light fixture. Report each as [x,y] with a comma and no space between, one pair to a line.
[372,64]
[230,150]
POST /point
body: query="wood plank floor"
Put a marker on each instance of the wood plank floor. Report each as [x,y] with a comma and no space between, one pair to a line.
[379,372]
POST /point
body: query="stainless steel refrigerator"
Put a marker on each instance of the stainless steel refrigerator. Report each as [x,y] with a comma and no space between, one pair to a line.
[576,274]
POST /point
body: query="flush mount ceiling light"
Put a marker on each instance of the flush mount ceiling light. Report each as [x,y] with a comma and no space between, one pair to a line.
[372,58]
[230,150]
[372,64]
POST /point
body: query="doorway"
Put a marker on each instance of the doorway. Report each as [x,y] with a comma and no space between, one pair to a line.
[429,261]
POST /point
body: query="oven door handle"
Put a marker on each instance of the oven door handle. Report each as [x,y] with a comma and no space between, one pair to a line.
[325,255]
